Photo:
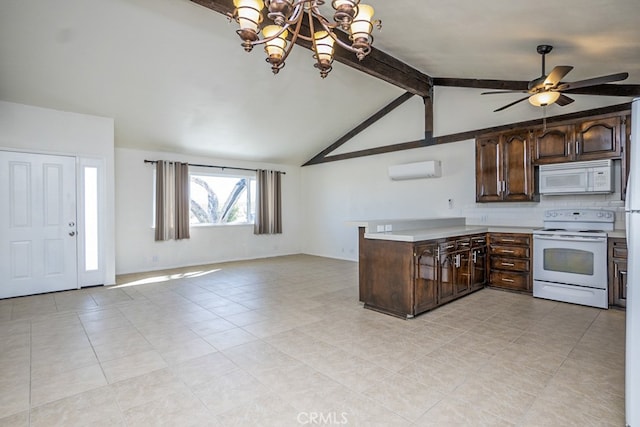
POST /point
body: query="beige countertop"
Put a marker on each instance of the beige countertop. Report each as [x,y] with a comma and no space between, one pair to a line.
[418,235]
[423,231]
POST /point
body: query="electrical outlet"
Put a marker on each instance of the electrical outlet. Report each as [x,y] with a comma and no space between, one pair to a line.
[388,227]
[380,228]
[450,203]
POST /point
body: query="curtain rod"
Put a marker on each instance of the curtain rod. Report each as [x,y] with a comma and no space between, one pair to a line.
[214,166]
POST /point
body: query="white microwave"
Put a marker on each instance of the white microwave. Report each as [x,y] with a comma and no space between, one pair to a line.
[595,177]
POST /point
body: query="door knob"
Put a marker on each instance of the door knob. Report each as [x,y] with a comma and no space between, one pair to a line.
[72,233]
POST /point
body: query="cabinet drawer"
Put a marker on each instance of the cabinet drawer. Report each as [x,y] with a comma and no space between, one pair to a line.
[510,239]
[448,246]
[503,279]
[619,251]
[511,264]
[478,241]
[463,243]
[510,251]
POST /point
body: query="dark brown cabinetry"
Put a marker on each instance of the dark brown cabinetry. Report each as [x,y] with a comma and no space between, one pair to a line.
[510,261]
[617,272]
[504,172]
[426,282]
[406,279]
[593,139]
[478,265]
[505,160]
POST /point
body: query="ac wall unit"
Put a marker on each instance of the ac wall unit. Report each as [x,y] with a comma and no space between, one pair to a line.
[426,169]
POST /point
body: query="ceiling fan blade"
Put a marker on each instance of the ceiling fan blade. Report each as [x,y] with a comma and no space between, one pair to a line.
[509,105]
[607,90]
[556,75]
[503,91]
[594,81]
[564,100]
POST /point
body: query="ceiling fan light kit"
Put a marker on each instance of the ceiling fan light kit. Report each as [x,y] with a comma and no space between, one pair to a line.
[288,15]
[548,88]
[542,99]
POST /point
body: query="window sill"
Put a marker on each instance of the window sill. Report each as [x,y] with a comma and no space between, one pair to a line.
[220,225]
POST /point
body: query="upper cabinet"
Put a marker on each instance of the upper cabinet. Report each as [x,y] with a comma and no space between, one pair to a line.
[505,160]
[504,172]
[589,139]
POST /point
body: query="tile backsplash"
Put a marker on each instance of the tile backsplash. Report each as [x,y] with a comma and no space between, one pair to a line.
[530,214]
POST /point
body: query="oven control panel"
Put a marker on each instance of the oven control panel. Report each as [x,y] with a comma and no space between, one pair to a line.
[598,215]
[579,219]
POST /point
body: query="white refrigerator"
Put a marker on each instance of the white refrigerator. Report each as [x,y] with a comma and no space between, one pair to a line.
[632,211]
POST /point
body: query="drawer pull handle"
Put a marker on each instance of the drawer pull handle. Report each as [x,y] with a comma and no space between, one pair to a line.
[508,240]
[507,280]
[505,251]
[508,264]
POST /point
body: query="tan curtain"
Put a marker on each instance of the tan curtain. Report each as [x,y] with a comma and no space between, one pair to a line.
[172,200]
[268,202]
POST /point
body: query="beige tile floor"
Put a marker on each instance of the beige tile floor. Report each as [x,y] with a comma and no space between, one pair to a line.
[284,342]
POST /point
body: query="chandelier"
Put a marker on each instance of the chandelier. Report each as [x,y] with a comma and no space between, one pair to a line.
[288,15]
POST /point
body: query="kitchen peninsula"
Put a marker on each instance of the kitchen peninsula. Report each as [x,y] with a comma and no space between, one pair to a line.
[410,266]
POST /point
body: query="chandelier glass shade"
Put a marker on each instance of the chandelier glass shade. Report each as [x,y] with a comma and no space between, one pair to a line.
[287,24]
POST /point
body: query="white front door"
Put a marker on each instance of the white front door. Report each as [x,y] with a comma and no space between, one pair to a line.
[37,224]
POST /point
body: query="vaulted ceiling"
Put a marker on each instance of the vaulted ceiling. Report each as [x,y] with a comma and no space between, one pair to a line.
[174,77]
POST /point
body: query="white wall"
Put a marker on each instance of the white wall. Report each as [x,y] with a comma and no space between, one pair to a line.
[359,189]
[138,251]
[41,130]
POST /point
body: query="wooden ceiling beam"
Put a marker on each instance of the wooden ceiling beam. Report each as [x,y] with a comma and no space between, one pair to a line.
[318,158]
[377,64]
[481,84]
[472,134]
[604,89]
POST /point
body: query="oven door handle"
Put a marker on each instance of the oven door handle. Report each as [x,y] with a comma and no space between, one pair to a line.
[567,238]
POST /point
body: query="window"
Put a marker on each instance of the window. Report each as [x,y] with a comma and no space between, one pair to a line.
[222,199]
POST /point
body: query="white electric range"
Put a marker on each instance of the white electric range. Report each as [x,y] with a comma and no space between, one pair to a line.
[570,256]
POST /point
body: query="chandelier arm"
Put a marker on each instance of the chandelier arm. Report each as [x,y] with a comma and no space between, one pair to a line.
[268,39]
[343,44]
[292,43]
[328,25]
[298,11]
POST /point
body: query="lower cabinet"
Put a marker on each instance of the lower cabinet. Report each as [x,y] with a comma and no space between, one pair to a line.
[426,281]
[478,266]
[617,272]
[510,261]
[405,279]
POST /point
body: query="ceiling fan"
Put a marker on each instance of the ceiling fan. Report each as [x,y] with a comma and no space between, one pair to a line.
[548,88]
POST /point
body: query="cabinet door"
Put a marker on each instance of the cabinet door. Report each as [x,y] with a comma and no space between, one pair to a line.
[426,283]
[553,145]
[463,269]
[478,268]
[598,139]
[488,169]
[518,170]
[447,277]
